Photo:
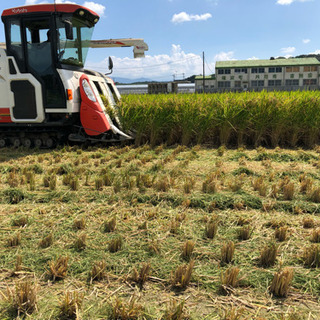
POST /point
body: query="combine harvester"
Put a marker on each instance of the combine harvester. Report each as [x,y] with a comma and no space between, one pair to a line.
[47,96]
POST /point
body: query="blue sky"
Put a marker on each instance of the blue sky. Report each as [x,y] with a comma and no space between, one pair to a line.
[178,31]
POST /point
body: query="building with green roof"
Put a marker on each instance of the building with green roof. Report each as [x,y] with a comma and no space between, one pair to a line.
[256,75]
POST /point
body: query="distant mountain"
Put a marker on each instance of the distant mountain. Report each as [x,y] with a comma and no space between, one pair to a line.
[119,80]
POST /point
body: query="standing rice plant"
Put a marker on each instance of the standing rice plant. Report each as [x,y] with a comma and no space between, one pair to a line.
[253,118]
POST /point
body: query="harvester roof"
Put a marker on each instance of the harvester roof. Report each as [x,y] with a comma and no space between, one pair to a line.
[47,8]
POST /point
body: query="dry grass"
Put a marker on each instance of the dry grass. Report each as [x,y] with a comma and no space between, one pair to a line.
[311,256]
[18,265]
[308,222]
[115,244]
[245,233]
[174,311]
[268,255]
[281,233]
[125,311]
[281,282]
[70,305]
[314,194]
[58,269]
[211,229]
[110,225]
[187,249]
[14,240]
[21,221]
[98,271]
[227,252]
[46,241]
[79,224]
[229,279]
[143,218]
[181,277]
[235,314]
[209,185]
[288,191]
[23,299]
[140,277]
[81,242]
[315,235]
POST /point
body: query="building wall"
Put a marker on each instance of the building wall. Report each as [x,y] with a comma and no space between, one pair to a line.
[259,78]
[210,85]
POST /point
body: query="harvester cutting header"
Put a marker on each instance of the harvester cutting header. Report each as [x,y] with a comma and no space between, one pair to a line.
[46,94]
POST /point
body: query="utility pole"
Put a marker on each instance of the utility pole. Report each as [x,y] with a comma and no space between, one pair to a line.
[203,71]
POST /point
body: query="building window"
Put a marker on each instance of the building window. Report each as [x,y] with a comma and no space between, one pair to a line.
[237,84]
[241,70]
[274,83]
[309,82]
[292,69]
[259,83]
[310,68]
[224,71]
[224,84]
[275,69]
[294,82]
[257,70]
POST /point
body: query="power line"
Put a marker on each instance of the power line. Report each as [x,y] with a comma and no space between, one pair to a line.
[207,64]
[149,66]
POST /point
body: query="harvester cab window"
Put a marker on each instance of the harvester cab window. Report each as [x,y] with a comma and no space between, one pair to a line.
[15,39]
[73,51]
[39,46]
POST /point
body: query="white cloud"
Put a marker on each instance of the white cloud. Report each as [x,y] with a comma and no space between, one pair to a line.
[160,67]
[96,7]
[288,2]
[306,41]
[288,51]
[253,58]
[185,17]
[224,56]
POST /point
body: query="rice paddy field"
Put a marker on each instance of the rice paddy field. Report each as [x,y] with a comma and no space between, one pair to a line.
[270,119]
[183,230]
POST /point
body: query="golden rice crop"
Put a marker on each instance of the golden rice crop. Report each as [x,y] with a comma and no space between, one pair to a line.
[251,118]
